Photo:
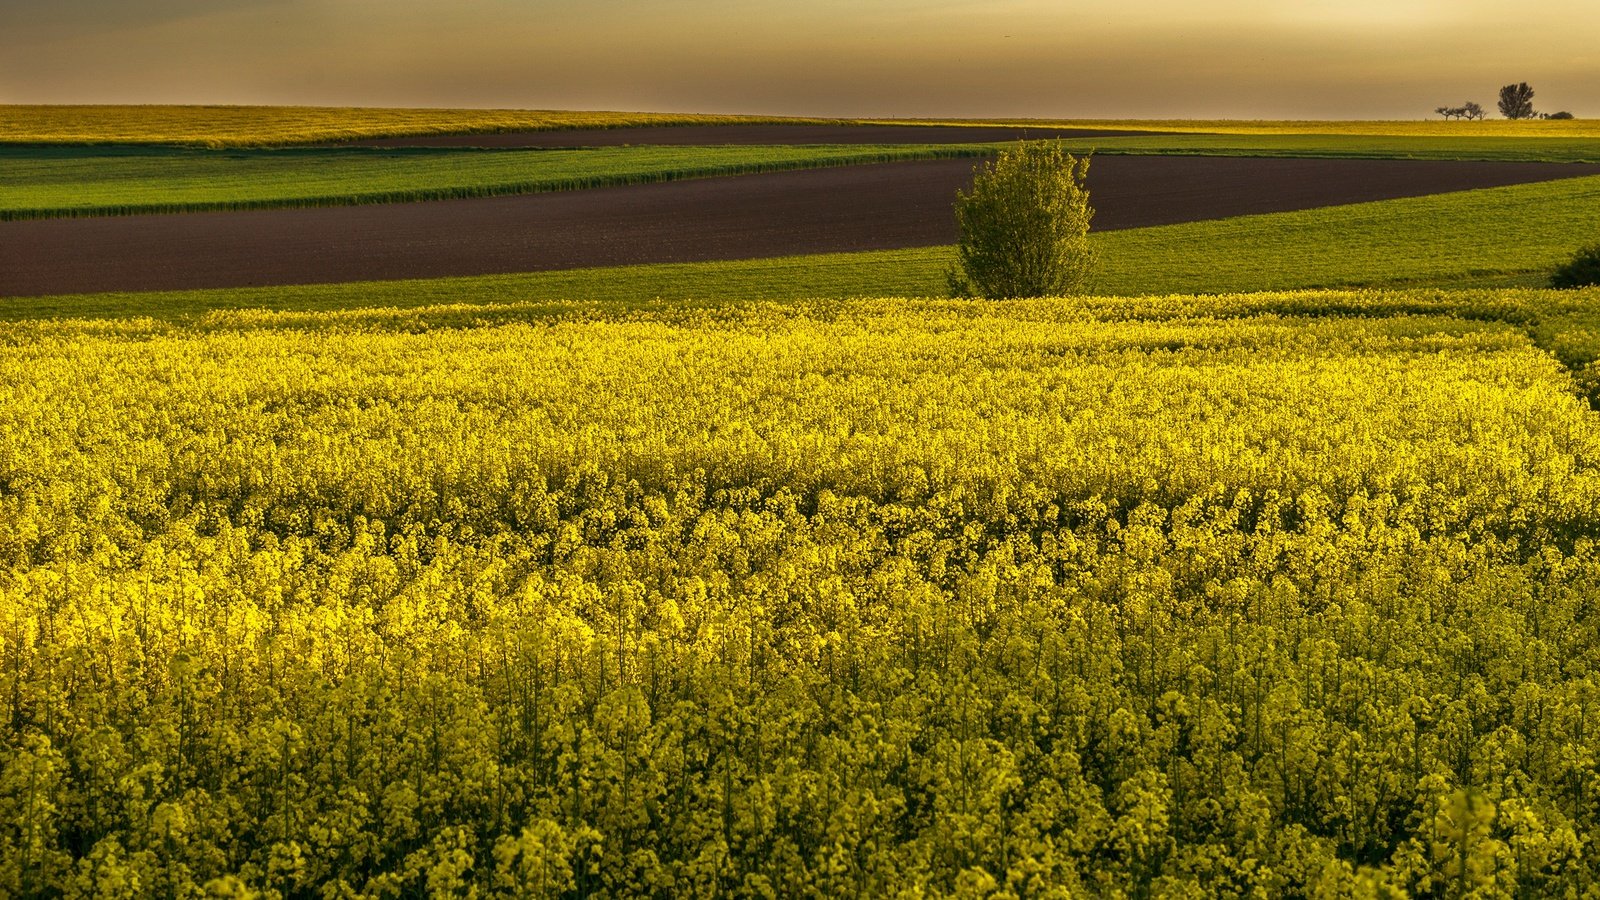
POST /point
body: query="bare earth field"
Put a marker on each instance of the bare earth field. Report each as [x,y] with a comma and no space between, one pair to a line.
[873,207]
[721,135]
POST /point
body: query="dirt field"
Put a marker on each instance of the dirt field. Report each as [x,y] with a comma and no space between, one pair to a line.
[715,135]
[813,211]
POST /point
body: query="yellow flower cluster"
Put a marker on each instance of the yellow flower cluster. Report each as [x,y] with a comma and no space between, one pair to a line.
[881,598]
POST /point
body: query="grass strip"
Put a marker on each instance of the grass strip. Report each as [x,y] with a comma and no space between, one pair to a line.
[53,183]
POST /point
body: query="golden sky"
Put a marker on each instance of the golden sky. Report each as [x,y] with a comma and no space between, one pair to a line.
[1157,58]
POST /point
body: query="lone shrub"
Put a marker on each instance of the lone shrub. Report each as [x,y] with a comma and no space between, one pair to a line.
[1025,225]
[1583,270]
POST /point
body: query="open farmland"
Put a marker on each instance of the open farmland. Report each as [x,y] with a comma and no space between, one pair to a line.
[491,212]
[44,181]
[1278,593]
[835,209]
[1455,240]
[53,182]
[772,576]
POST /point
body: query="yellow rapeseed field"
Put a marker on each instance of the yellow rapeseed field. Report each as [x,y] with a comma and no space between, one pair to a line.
[237,126]
[1277,596]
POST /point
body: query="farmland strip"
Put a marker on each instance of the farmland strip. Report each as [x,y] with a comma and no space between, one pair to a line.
[854,208]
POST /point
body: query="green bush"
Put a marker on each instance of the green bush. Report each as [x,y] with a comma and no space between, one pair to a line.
[1584,269]
[1024,227]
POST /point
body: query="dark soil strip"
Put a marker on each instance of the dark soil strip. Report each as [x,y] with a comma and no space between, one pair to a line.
[883,206]
[714,135]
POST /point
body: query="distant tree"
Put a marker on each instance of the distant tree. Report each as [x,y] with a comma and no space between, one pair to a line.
[1516,101]
[1024,227]
[1558,115]
[1468,110]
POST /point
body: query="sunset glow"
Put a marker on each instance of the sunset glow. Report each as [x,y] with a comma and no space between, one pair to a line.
[1243,58]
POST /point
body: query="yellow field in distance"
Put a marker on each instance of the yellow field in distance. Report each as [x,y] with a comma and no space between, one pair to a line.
[239,126]
[242,126]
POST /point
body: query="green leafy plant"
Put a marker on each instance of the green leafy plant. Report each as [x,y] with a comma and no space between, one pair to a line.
[1024,226]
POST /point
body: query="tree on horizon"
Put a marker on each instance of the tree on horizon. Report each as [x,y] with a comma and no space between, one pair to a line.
[1516,101]
[1469,110]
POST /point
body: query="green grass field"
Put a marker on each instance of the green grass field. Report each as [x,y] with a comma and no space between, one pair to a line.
[48,182]
[1511,236]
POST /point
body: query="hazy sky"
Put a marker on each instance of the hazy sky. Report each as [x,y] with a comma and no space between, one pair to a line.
[1079,58]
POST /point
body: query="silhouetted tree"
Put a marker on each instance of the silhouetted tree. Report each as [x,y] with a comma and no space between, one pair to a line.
[1468,110]
[1516,101]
